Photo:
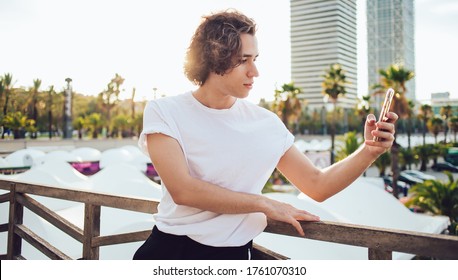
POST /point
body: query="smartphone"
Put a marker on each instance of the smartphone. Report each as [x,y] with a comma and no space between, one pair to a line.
[385,108]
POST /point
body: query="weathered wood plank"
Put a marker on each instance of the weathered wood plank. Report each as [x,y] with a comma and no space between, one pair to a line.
[3,227]
[50,216]
[377,254]
[16,214]
[120,238]
[91,230]
[261,253]
[4,197]
[96,198]
[42,245]
[433,245]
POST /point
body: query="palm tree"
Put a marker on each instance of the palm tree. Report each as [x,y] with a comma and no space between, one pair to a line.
[2,117]
[333,87]
[94,122]
[287,105]
[435,126]
[79,123]
[424,153]
[363,108]
[425,114]
[350,144]
[33,111]
[438,198]
[407,158]
[120,123]
[110,97]
[6,88]
[454,126]
[382,162]
[409,122]
[132,111]
[51,92]
[2,90]
[396,77]
[446,112]
[18,123]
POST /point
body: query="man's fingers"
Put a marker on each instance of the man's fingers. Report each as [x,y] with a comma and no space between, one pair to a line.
[392,117]
[298,227]
[306,216]
[303,216]
[384,135]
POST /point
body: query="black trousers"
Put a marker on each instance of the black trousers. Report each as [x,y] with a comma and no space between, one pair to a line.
[164,246]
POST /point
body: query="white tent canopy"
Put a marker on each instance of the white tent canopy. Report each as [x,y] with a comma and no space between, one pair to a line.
[362,203]
[24,157]
[87,154]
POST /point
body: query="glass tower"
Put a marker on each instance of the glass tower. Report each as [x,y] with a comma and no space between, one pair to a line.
[390,38]
[323,32]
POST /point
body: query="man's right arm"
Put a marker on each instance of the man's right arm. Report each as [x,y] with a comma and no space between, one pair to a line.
[168,159]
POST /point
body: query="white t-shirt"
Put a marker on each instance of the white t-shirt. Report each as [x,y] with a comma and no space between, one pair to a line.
[236,148]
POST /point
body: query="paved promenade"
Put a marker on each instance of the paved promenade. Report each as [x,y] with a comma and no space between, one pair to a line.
[9,146]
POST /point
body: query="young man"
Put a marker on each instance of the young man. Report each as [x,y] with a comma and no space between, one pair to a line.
[214,152]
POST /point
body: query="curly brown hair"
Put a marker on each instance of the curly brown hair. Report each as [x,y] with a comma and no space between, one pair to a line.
[216,45]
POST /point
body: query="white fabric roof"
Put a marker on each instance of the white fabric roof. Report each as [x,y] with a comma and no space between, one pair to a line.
[24,157]
[125,179]
[87,154]
[61,155]
[363,203]
[3,162]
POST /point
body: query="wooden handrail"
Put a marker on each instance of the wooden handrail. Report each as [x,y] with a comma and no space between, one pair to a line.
[376,239]
[379,241]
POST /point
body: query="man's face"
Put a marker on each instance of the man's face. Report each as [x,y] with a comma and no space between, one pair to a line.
[239,81]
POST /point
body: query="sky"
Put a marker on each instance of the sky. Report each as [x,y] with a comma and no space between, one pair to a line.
[145,42]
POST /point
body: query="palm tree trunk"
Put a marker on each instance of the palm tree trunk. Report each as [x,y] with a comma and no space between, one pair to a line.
[409,132]
[424,131]
[445,132]
[395,168]
[333,133]
[50,123]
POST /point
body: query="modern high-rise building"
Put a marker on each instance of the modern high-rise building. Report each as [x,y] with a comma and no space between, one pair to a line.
[323,32]
[390,38]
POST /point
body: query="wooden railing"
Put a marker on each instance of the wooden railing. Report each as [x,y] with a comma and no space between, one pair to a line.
[380,242]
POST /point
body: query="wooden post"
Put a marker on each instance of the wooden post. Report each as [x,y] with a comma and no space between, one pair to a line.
[15,217]
[378,254]
[91,229]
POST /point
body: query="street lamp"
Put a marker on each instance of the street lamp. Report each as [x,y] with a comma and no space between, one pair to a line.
[68,129]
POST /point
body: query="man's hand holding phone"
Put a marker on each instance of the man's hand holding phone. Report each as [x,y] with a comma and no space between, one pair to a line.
[385,108]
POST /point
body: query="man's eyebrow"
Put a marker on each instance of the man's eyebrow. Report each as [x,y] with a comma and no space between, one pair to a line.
[250,55]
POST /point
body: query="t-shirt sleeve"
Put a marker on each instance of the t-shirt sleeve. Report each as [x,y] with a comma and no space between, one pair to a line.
[289,141]
[154,121]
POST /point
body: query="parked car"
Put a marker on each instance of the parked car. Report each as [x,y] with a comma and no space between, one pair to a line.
[409,179]
[402,186]
[452,156]
[421,175]
[444,166]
